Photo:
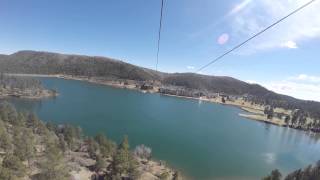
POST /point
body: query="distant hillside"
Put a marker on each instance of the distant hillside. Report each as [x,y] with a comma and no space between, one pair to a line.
[231,86]
[223,84]
[2,56]
[33,62]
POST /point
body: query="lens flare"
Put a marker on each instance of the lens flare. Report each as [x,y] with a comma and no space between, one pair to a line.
[223,39]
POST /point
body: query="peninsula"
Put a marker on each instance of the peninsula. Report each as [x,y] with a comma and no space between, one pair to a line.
[23,87]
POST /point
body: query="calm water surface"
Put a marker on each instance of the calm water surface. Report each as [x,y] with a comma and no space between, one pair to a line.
[203,140]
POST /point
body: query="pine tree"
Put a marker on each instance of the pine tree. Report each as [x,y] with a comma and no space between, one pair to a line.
[176,176]
[5,174]
[8,112]
[52,127]
[5,140]
[275,175]
[70,136]
[24,142]
[13,167]
[62,143]
[164,176]
[106,146]
[100,164]
[37,126]
[53,167]
[93,147]
[20,120]
[123,161]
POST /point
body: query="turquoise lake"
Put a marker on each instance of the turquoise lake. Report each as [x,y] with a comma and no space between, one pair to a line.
[203,140]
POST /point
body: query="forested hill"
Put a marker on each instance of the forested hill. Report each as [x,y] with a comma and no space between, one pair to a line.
[232,86]
[34,62]
[223,84]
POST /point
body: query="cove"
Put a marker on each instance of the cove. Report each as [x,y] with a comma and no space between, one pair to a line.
[203,140]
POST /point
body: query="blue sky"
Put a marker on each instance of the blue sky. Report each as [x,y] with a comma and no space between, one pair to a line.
[285,59]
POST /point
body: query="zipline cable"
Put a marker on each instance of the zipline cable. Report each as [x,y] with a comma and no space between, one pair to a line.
[159,33]
[255,35]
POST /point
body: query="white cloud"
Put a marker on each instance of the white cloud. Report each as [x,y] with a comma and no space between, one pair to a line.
[237,8]
[190,67]
[298,90]
[218,23]
[290,45]
[302,86]
[306,78]
[251,82]
[259,14]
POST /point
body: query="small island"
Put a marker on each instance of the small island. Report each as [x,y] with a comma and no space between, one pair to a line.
[23,87]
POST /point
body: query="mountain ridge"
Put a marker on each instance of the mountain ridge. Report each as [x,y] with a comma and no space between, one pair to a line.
[18,54]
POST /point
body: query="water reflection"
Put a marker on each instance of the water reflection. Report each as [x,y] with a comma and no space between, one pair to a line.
[269,158]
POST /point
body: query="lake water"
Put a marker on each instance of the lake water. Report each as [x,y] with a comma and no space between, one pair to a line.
[203,140]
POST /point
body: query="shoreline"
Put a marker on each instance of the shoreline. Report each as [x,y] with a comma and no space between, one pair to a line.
[260,118]
[28,97]
[26,92]
[254,112]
